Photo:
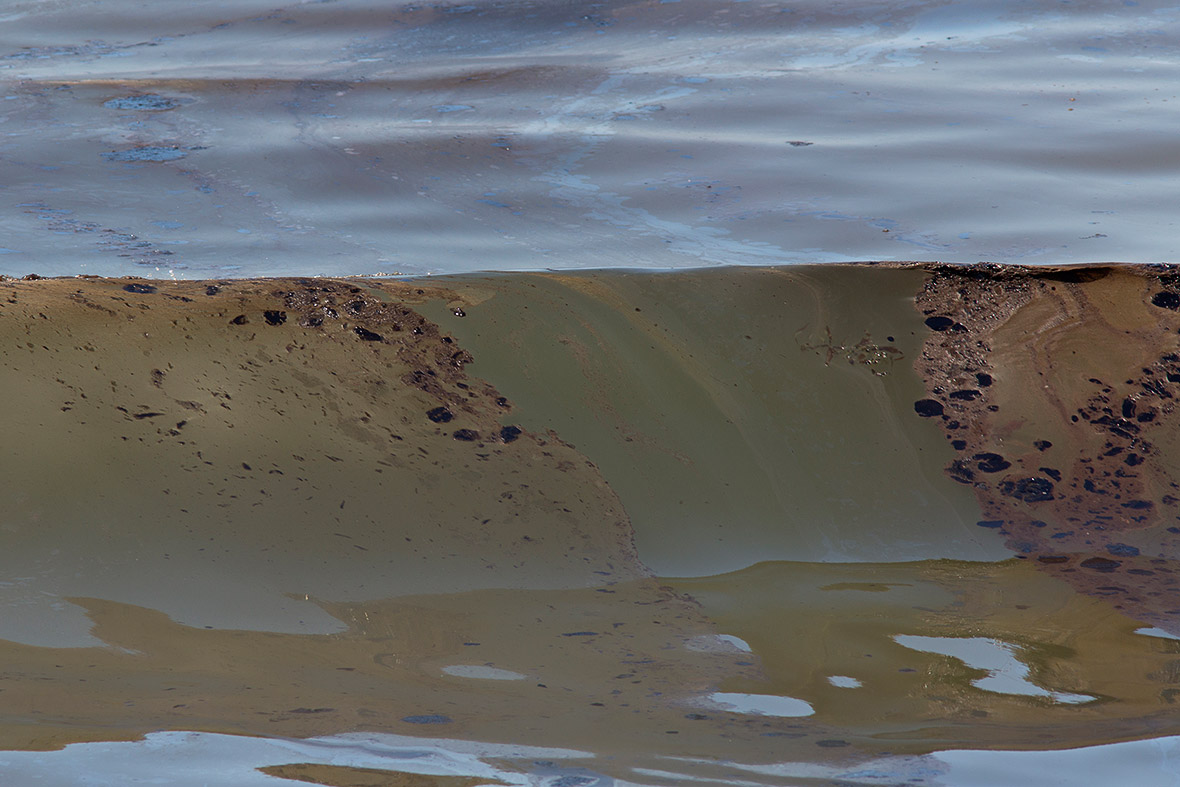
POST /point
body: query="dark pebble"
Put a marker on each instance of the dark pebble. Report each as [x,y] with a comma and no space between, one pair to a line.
[959,445]
[1101,564]
[509,433]
[212,290]
[1122,550]
[367,335]
[431,718]
[239,320]
[140,288]
[274,317]
[983,379]
[1166,300]
[939,323]
[440,415]
[1030,490]
[467,435]
[927,408]
[966,395]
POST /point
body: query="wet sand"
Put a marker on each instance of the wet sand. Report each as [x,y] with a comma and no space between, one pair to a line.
[581,511]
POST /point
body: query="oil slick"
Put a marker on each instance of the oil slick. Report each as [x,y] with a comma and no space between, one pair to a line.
[625,515]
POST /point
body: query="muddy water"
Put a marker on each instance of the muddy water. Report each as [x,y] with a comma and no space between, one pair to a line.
[245,138]
[357,532]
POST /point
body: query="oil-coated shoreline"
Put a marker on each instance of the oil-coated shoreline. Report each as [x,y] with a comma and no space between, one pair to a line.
[485,506]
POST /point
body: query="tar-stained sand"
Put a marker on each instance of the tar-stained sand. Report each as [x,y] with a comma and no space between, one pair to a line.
[282,507]
[1058,391]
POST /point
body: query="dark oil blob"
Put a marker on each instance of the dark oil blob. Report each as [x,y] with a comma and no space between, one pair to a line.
[239,320]
[467,435]
[440,415]
[1101,564]
[960,472]
[1122,550]
[966,395]
[939,323]
[509,433]
[274,317]
[367,335]
[928,408]
[1166,300]
[1041,445]
[983,379]
[991,463]
[1128,408]
[990,523]
[140,288]
[1030,490]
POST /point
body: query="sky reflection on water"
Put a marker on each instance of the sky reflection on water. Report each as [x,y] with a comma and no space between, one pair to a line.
[352,137]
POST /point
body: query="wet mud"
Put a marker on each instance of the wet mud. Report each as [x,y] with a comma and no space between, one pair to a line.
[1058,389]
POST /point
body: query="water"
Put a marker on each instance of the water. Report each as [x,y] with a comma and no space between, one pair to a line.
[568,528]
[351,137]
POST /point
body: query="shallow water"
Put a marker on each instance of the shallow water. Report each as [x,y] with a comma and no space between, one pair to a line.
[370,532]
[354,137]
